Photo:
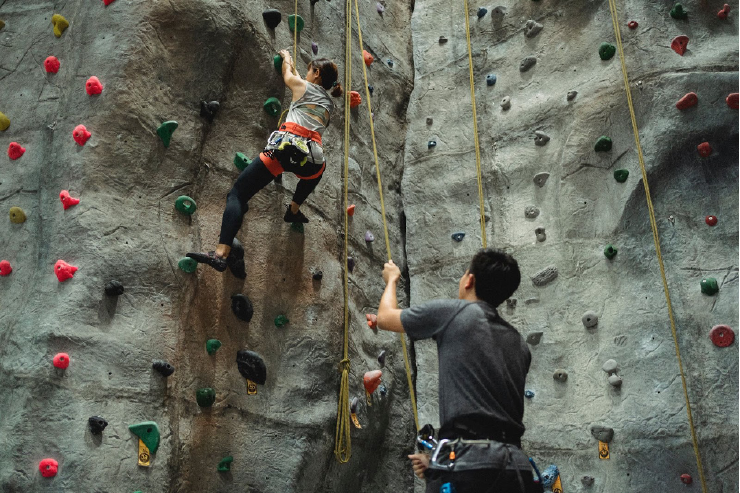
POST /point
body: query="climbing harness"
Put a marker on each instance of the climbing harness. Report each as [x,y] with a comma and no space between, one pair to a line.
[288,148]
[656,239]
[468,455]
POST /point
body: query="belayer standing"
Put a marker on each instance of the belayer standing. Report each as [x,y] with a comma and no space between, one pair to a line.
[483,364]
[295,147]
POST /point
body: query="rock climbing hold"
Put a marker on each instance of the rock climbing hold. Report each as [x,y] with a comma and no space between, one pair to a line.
[603,144]
[531,212]
[281,321]
[48,468]
[272,17]
[242,307]
[277,62]
[108,2]
[528,394]
[679,44]
[482,11]
[541,138]
[590,320]
[272,106]
[722,335]
[251,366]
[689,100]
[442,40]
[607,51]
[369,237]
[187,264]
[541,178]
[372,320]
[678,12]
[97,424]
[705,150]
[709,286]
[587,480]
[610,366]
[93,86]
[208,109]
[165,131]
[621,175]
[350,264]
[64,271]
[81,135]
[212,346]
[5,268]
[602,433]
[185,204]
[534,338]
[163,368]
[367,57]
[292,24]
[354,99]
[67,201]
[545,276]
[4,122]
[61,361]
[381,358]
[351,210]
[686,479]
[371,380]
[711,220]
[60,24]
[490,79]
[314,47]
[571,95]
[549,475]
[318,275]
[2,24]
[353,405]
[506,103]
[17,216]
[511,303]
[205,397]
[560,375]
[51,64]
[610,252]
[722,14]
[15,150]
[458,236]
[632,24]
[527,63]
[382,390]
[379,7]
[224,465]
[114,288]
[370,89]
[241,161]
[540,234]
[431,143]
[732,101]
[430,120]
[532,28]
[148,432]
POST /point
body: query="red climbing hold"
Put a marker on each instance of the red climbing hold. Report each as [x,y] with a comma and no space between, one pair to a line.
[722,335]
[15,150]
[51,64]
[711,220]
[691,99]
[354,99]
[722,14]
[632,24]
[372,320]
[67,201]
[61,360]
[64,271]
[732,100]
[108,2]
[371,380]
[48,468]
[5,268]
[686,479]
[369,59]
[80,134]
[679,44]
[351,210]
[93,86]
[705,150]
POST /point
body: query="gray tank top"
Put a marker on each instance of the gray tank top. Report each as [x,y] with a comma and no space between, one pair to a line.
[300,110]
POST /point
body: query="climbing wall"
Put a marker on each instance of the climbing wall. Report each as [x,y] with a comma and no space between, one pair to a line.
[547,91]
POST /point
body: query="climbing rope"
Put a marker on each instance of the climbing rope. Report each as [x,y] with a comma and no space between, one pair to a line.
[656,240]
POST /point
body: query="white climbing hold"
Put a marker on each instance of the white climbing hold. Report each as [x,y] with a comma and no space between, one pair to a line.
[610,366]
[506,103]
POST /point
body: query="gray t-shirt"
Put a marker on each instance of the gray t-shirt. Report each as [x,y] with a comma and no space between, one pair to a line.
[483,361]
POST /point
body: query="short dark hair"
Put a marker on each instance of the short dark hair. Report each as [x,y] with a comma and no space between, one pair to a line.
[497,275]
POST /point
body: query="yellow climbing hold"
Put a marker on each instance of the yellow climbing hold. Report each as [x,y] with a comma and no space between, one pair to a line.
[60,24]
[4,122]
[17,216]
[2,23]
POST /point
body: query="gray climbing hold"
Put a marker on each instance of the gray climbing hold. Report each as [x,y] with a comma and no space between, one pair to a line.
[353,405]
[572,95]
[560,375]
[534,338]
[541,138]
[540,234]
[506,103]
[541,178]
[602,433]
[511,303]
[458,236]
[545,276]
[532,28]
[587,480]
[531,212]
[527,63]
[499,11]
[615,380]
[610,366]
[590,319]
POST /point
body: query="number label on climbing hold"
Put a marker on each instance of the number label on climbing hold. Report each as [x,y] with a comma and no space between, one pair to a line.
[722,335]
[557,487]
[251,387]
[144,456]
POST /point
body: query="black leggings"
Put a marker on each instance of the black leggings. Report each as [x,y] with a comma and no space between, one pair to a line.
[484,481]
[254,178]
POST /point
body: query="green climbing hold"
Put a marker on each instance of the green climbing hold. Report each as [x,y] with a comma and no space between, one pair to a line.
[272,106]
[212,346]
[225,464]
[709,286]
[621,175]
[148,432]
[165,132]
[17,216]
[610,252]
[205,397]
[185,204]
[678,12]
[291,22]
[281,321]
[241,161]
[187,264]
[603,144]
[297,227]
[607,51]
[277,61]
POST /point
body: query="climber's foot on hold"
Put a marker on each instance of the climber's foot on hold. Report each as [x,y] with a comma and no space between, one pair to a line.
[297,217]
[209,258]
[235,260]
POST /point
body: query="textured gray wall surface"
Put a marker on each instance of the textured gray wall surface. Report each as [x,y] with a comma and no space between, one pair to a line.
[158,59]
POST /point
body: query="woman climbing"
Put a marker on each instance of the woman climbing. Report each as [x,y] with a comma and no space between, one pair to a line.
[295,147]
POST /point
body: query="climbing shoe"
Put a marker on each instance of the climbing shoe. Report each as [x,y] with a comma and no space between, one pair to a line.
[235,260]
[298,217]
[209,258]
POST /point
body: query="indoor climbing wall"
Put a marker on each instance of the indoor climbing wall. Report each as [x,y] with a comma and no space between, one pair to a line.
[564,194]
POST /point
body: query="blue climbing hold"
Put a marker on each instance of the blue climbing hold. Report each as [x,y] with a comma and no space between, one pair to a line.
[458,236]
[528,394]
[550,475]
[370,89]
[490,79]
[482,11]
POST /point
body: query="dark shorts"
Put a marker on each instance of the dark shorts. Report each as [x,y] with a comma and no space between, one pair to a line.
[484,481]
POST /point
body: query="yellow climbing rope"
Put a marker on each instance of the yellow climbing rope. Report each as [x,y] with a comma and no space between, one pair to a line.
[656,240]
[295,57]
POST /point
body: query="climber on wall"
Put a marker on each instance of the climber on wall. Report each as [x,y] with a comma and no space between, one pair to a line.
[295,147]
[483,363]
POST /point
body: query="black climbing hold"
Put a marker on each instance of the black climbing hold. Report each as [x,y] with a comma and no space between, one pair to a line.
[587,480]
[458,236]
[350,264]
[318,275]
[208,110]
[353,405]
[381,358]
[97,424]
[442,40]
[114,288]
[272,17]
[205,397]
[528,394]
[540,234]
[370,89]
[390,62]
[431,143]
[571,95]
[532,28]
[430,120]
[527,63]
[242,307]
[511,303]
[251,366]
[164,368]
[482,11]
[603,144]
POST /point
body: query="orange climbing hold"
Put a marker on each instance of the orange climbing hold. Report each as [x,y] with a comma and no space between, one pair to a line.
[371,380]
[67,201]
[64,271]
[679,44]
[372,320]
[705,150]
[732,100]
[369,59]
[691,99]
[354,99]
[5,268]
[351,210]
[15,150]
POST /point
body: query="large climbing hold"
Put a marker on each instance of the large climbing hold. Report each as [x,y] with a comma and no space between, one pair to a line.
[17,216]
[51,64]
[722,335]
[148,432]
[208,109]
[205,397]
[367,57]
[272,106]
[722,14]
[689,100]
[732,101]
[165,131]
[5,268]
[607,51]
[704,149]
[678,12]
[185,204]
[371,380]
[272,17]
[163,368]
[4,122]
[97,424]
[242,307]
[224,464]
[15,150]
[709,286]
[81,135]
[64,271]
[295,25]
[603,144]
[679,44]
[93,86]
[212,345]
[67,200]
[60,24]
[187,264]
[354,99]
[48,468]
[61,361]
[251,366]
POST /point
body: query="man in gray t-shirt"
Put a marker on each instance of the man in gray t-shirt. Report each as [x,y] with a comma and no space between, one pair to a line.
[483,364]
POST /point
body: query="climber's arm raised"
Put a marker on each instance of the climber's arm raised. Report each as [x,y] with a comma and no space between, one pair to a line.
[389,315]
[291,77]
